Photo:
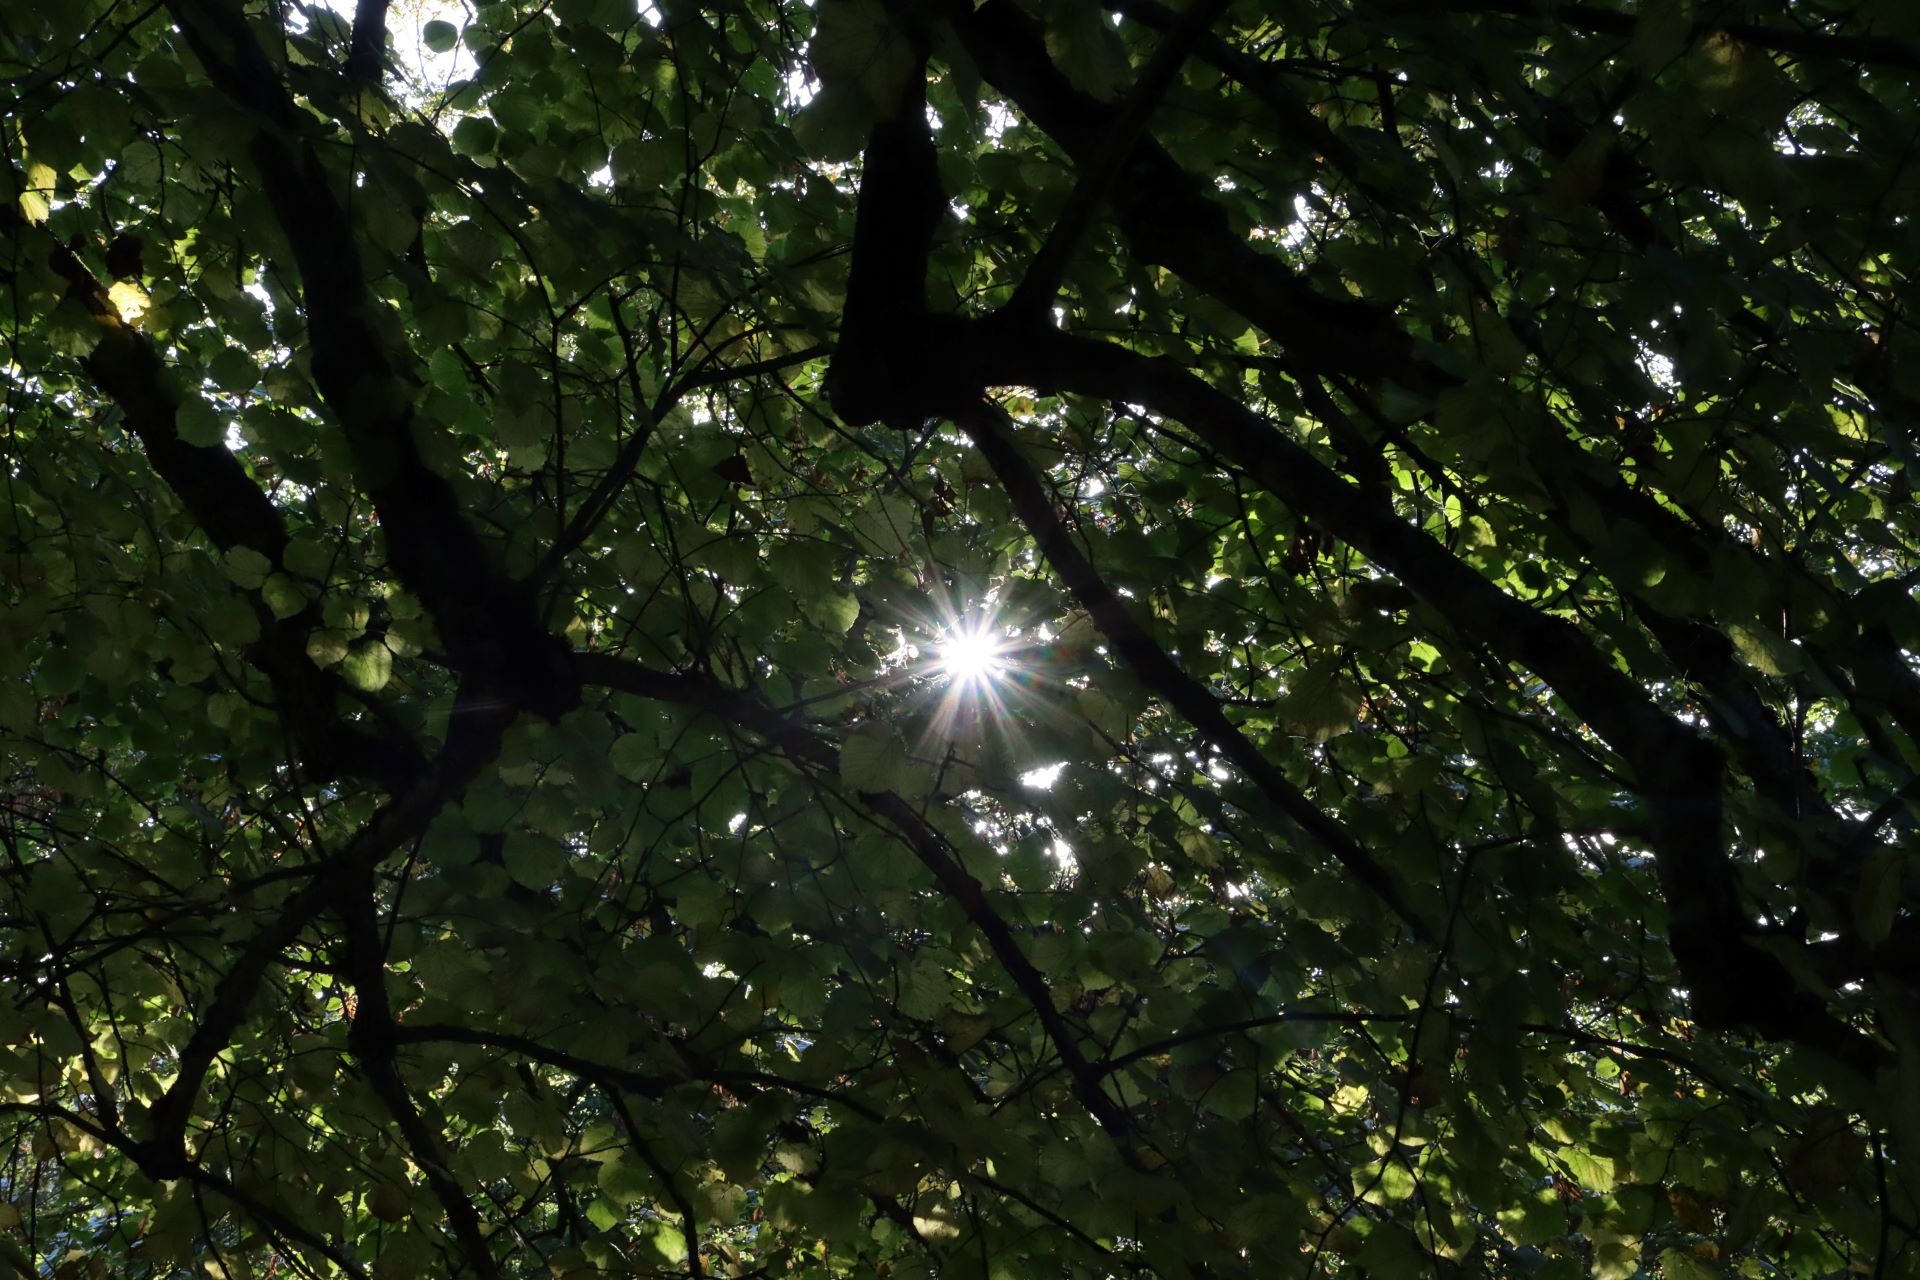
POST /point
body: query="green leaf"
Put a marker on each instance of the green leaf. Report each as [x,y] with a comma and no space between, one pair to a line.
[633,757]
[1081,39]
[833,125]
[198,424]
[1876,898]
[475,136]
[1593,1172]
[833,611]
[327,645]
[1388,1182]
[233,370]
[246,567]
[858,42]
[1766,651]
[368,665]
[1492,426]
[283,595]
[734,560]
[870,758]
[1320,704]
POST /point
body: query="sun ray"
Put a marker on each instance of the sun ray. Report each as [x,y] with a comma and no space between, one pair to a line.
[971,654]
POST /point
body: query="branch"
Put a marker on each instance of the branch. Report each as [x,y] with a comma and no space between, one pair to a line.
[1097,175]
[1731,982]
[1261,79]
[222,498]
[1876,50]
[1158,670]
[371,1041]
[366,58]
[291,1228]
[802,746]
[489,625]
[1170,221]
[626,1080]
[163,1153]
[689,1221]
[876,368]
[746,1083]
[969,895]
[1167,1044]
[600,499]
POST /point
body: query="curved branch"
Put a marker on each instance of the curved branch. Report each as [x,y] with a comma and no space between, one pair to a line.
[804,747]
[1169,220]
[1104,162]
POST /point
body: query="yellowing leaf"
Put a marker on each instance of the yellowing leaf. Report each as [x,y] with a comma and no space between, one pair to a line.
[1681,1264]
[1616,1259]
[35,198]
[129,299]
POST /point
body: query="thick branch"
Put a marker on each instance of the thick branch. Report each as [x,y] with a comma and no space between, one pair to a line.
[1170,221]
[367,56]
[1731,982]
[223,499]
[876,368]
[488,625]
[1679,773]
[1097,174]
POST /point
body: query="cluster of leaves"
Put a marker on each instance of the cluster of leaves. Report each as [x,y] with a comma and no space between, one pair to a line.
[478,798]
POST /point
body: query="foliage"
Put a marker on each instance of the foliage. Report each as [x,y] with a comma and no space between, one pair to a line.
[486,490]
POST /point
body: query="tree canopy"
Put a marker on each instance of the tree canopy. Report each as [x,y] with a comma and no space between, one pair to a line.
[916,638]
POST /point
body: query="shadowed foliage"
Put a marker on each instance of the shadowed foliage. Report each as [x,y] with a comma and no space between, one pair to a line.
[1028,639]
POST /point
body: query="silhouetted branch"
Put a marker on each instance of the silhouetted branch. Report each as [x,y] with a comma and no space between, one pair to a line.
[1157,670]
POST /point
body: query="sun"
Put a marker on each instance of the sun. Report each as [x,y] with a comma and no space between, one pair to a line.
[971,655]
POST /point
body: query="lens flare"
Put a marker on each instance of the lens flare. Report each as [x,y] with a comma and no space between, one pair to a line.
[971,655]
